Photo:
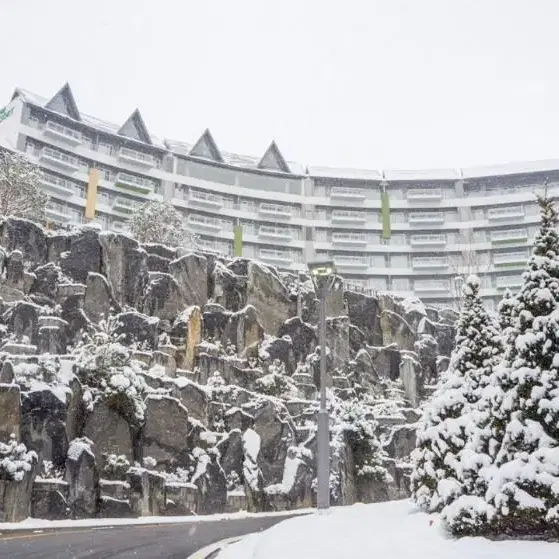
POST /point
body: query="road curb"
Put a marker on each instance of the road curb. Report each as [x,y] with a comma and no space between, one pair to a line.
[210,551]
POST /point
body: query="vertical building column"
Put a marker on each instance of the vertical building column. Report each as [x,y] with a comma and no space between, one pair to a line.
[91,199]
[168,187]
[309,252]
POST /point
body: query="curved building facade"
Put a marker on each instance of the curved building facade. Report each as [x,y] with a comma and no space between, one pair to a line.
[408,232]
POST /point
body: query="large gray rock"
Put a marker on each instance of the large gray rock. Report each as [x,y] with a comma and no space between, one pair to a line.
[244,329]
[99,301]
[364,313]
[402,441]
[10,411]
[191,274]
[303,337]
[395,330]
[23,321]
[52,340]
[15,497]
[83,256]
[269,296]
[162,297]
[83,479]
[26,236]
[193,398]
[147,492]
[110,432]
[49,499]
[47,278]
[44,422]
[165,432]
[124,263]
[137,327]
[15,270]
[212,486]
[337,340]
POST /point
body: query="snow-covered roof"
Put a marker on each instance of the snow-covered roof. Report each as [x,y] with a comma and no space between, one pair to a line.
[273,161]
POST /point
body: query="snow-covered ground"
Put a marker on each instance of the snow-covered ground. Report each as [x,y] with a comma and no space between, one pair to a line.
[40,524]
[381,530]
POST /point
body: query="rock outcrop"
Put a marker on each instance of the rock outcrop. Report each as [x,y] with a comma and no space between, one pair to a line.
[143,380]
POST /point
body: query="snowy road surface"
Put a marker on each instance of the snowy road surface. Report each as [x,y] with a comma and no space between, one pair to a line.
[168,541]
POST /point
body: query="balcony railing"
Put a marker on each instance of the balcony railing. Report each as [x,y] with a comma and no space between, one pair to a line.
[431,286]
[60,213]
[277,210]
[430,262]
[343,216]
[201,198]
[428,240]
[349,238]
[348,193]
[267,231]
[125,205]
[509,282]
[275,256]
[60,159]
[351,262]
[505,212]
[63,132]
[205,222]
[510,258]
[136,157]
[134,183]
[426,217]
[57,185]
[420,194]
[509,236]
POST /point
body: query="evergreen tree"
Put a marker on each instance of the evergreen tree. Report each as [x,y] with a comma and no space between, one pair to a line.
[439,475]
[505,309]
[522,494]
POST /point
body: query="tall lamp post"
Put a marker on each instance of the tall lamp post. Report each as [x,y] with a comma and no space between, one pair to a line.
[323,274]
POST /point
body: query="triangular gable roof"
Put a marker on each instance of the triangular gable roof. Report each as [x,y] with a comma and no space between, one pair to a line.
[273,160]
[135,128]
[206,147]
[64,102]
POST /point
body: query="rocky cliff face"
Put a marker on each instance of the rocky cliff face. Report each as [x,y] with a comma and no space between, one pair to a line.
[137,380]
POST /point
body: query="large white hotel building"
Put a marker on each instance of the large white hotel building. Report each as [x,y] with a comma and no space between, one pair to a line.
[408,232]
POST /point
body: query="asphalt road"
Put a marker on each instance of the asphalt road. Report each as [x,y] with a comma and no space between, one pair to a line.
[163,541]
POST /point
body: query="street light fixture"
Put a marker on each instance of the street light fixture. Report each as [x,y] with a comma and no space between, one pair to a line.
[323,274]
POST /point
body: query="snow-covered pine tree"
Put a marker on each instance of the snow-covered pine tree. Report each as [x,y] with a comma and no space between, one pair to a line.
[522,487]
[159,222]
[438,475]
[505,308]
[20,189]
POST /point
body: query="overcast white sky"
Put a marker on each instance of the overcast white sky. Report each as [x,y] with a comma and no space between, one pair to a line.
[358,83]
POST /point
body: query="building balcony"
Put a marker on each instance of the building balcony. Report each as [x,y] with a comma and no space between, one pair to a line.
[58,186]
[136,157]
[503,259]
[349,239]
[63,133]
[341,216]
[352,264]
[431,262]
[134,184]
[428,240]
[345,193]
[505,212]
[509,282]
[426,217]
[203,222]
[59,213]
[509,236]
[60,159]
[431,287]
[424,194]
[125,205]
[269,232]
[275,210]
[206,199]
[275,256]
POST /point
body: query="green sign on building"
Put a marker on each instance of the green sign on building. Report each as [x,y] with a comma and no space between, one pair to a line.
[5,113]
